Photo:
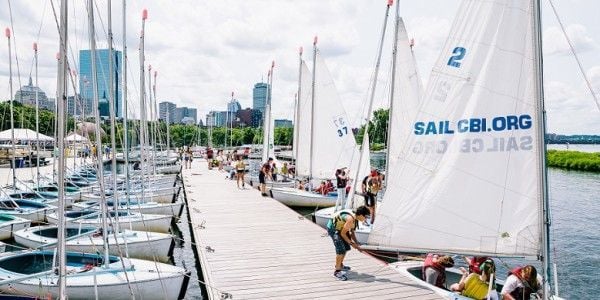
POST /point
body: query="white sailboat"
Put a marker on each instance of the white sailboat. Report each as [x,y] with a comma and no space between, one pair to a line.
[471,177]
[328,134]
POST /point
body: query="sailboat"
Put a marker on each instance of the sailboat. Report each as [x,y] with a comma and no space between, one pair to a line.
[61,274]
[471,177]
[323,126]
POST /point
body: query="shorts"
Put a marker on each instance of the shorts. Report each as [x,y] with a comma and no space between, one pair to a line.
[370,199]
[341,247]
[240,171]
[261,178]
[186,158]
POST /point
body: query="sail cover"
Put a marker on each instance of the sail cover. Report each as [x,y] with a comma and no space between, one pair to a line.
[469,180]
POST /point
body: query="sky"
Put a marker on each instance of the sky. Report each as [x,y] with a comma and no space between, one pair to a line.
[205,50]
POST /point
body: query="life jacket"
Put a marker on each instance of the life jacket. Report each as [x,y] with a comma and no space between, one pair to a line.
[339,221]
[521,293]
[441,279]
[240,166]
[475,262]
[373,186]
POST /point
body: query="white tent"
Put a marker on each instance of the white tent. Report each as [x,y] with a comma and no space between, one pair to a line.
[75,138]
[22,134]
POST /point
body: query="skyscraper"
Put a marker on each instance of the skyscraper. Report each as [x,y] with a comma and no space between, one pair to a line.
[85,78]
[165,108]
[259,95]
[182,112]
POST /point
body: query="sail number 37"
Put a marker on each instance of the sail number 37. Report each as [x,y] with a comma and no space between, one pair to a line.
[340,124]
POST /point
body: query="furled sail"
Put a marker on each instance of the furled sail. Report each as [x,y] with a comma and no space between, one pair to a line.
[303,123]
[466,179]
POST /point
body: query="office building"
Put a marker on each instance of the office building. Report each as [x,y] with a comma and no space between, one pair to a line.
[26,96]
[259,96]
[167,108]
[85,77]
[182,112]
[283,123]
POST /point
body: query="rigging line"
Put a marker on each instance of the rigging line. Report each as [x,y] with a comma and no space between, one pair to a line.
[14,38]
[585,77]
[37,38]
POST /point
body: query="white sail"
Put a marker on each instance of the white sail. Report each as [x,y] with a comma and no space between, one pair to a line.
[303,123]
[268,135]
[334,145]
[406,99]
[468,181]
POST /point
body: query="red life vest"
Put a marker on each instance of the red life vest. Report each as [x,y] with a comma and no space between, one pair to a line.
[441,279]
[475,262]
[521,293]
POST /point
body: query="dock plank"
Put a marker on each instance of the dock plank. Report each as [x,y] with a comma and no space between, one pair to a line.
[253,247]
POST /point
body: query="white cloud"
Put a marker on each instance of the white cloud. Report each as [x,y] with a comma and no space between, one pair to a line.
[555,42]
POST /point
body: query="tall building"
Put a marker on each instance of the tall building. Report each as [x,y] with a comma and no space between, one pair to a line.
[182,112]
[85,77]
[216,118]
[233,106]
[165,108]
[259,95]
[26,96]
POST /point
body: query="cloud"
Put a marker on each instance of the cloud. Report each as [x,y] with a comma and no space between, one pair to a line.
[555,42]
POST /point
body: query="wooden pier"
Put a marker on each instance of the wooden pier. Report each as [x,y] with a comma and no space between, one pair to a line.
[253,247]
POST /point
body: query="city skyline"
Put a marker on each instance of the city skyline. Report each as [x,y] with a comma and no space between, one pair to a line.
[228,49]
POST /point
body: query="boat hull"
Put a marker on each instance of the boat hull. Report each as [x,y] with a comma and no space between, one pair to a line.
[301,198]
[154,223]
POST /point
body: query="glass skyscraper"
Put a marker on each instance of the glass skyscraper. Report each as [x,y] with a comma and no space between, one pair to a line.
[259,95]
[85,77]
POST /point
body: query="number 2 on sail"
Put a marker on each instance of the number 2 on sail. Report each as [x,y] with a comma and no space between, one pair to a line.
[459,54]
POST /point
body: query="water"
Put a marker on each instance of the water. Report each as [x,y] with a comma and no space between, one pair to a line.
[576,147]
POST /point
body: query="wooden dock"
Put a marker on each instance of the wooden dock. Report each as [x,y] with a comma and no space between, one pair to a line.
[253,247]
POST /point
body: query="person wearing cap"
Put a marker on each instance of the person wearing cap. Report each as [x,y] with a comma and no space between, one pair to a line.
[341,230]
[370,187]
[434,269]
[476,285]
[265,172]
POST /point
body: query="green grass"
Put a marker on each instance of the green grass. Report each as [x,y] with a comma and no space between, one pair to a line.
[574,160]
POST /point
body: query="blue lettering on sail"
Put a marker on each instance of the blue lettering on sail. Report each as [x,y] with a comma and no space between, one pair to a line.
[473,125]
[459,54]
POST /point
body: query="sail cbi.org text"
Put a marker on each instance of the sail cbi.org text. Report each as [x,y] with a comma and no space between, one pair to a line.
[475,125]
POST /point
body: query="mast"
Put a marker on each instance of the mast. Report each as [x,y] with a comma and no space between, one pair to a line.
[267,117]
[269,93]
[155,118]
[142,99]
[100,171]
[370,110]
[312,109]
[37,117]
[392,88]
[152,129]
[12,119]
[112,106]
[541,119]
[60,102]
[231,120]
[297,98]
[124,89]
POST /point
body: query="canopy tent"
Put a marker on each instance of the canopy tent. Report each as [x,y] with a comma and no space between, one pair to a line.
[23,134]
[75,137]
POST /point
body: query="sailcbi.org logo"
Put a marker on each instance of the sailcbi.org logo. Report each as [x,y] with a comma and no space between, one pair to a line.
[485,143]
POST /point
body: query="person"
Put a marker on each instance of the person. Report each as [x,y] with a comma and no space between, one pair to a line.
[434,269]
[370,188]
[191,156]
[521,283]
[94,151]
[341,181]
[265,171]
[186,159]
[284,169]
[107,152]
[220,160]
[341,230]
[476,285]
[322,189]
[136,166]
[240,168]
[328,186]
[274,172]
[475,262]
[301,185]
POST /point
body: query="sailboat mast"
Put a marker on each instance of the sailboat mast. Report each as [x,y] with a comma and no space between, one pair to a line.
[541,119]
[124,89]
[60,138]
[100,165]
[392,88]
[269,98]
[365,144]
[231,120]
[12,119]
[152,129]
[297,109]
[37,117]
[112,104]
[266,120]
[312,110]
[142,136]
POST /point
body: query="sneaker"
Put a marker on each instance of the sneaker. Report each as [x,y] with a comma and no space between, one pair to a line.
[346,268]
[264,195]
[340,275]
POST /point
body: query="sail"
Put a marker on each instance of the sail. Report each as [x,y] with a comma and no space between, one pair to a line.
[405,99]
[468,181]
[334,145]
[303,123]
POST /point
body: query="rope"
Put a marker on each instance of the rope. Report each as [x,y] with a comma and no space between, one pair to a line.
[585,77]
